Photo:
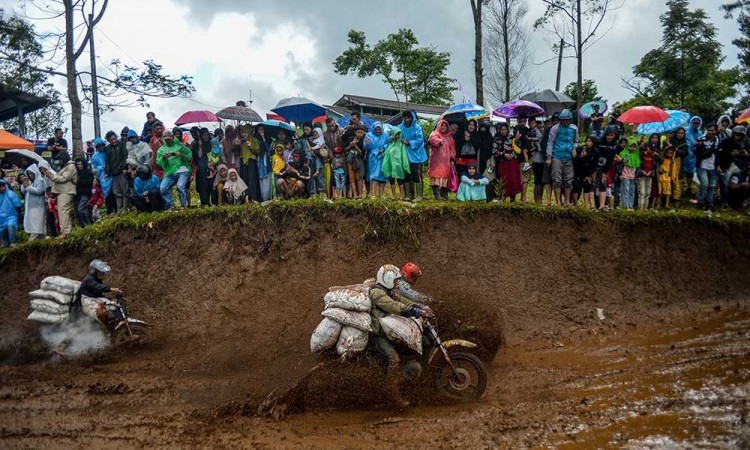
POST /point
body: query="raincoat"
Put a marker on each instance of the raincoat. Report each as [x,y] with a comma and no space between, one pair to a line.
[413,134]
[9,205]
[374,155]
[442,152]
[688,162]
[139,154]
[97,162]
[34,202]
[396,160]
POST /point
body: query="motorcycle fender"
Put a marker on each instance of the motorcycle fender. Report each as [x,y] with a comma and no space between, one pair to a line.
[122,323]
[449,344]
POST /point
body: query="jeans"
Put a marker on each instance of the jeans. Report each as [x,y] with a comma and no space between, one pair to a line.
[180,179]
[644,191]
[724,185]
[707,178]
[8,234]
[627,192]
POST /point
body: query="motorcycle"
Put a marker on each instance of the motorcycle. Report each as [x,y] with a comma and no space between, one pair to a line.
[456,374]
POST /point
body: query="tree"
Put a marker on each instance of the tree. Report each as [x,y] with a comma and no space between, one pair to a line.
[742,44]
[578,25]
[120,86]
[413,73]
[507,50]
[590,93]
[476,9]
[17,37]
[685,70]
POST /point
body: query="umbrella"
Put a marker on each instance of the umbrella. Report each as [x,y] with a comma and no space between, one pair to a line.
[242,113]
[744,117]
[275,125]
[344,121]
[196,117]
[644,114]
[551,101]
[465,111]
[14,156]
[588,109]
[518,108]
[298,109]
[677,119]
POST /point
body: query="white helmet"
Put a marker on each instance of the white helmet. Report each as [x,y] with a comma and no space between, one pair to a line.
[387,276]
[98,265]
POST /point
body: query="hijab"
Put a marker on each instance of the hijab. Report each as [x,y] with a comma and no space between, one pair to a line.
[476,175]
[85,176]
[318,138]
[218,179]
[251,143]
[238,187]
[230,134]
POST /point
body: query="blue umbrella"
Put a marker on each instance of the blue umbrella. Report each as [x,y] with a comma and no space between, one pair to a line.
[677,119]
[587,109]
[465,111]
[344,121]
[273,126]
[298,109]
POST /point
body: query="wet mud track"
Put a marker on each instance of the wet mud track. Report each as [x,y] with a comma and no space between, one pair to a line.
[681,383]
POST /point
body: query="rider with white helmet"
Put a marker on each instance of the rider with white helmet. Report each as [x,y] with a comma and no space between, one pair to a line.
[385,300]
[92,285]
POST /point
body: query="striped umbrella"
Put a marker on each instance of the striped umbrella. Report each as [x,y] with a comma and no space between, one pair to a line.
[677,119]
[744,117]
[588,109]
[465,111]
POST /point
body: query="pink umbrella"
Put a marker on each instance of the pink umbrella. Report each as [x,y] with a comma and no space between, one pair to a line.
[644,114]
[197,117]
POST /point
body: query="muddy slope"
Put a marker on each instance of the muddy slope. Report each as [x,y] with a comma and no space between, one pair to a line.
[233,310]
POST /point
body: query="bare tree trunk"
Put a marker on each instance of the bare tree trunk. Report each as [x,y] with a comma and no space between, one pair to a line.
[476,9]
[76,109]
[579,55]
[559,64]
[506,46]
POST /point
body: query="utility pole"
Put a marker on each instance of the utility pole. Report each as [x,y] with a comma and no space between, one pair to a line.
[94,81]
[250,102]
[559,64]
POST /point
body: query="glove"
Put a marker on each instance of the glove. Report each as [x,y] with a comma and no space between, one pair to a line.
[414,311]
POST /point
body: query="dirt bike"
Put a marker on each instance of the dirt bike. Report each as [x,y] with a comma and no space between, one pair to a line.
[454,372]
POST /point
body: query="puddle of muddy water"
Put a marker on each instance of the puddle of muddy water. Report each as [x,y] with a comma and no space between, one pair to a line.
[682,388]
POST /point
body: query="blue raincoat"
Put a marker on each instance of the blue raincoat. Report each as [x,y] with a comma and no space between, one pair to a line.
[374,157]
[415,150]
[97,162]
[688,162]
[8,213]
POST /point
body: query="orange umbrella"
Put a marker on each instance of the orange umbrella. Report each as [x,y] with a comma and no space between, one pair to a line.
[10,141]
[744,117]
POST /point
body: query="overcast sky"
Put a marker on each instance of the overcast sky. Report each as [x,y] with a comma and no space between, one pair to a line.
[286,48]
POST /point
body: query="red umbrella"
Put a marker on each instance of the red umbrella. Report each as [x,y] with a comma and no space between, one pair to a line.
[196,117]
[644,114]
[272,116]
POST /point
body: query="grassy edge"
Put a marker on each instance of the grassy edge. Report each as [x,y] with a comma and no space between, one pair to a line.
[387,220]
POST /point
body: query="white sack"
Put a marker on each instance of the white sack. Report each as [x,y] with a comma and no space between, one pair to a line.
[48,294]
[47,318]
[89,305]
[351,340]
[60,284]
[348,299]
[363,287]
[403,330]
[359,320]
[325,335]
[48,306]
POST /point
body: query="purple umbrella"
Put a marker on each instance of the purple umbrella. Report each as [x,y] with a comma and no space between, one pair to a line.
[196,117]
[518,108]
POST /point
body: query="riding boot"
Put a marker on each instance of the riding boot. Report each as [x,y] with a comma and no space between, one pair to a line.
[407,191]
[444,193]
[394,390]
[418,192]
[436,192]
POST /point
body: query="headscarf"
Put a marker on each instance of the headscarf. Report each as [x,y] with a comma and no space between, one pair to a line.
[230,134]
[437,133]
[215,146]
[238,187]
[476,175]
[218,179]
[85,176]
[64,157]
[377,142]
[319,141]
[246,148]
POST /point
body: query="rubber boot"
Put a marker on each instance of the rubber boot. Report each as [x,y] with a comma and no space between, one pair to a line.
[418,192]
[436,192]
[407,191]
[444,193]
[118,204]
[125,205]
[394,391]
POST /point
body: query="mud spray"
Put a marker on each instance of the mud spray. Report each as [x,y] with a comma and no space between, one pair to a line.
[84,336]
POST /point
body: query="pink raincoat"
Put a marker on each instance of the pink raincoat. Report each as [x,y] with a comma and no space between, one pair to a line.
[442,152]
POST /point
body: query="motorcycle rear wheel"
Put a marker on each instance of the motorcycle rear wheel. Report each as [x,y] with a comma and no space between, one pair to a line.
[139,330]
[467,383]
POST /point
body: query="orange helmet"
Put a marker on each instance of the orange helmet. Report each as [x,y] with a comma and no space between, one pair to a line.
[410,272]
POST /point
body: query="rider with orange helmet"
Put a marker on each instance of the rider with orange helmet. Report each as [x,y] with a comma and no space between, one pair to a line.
[405,285]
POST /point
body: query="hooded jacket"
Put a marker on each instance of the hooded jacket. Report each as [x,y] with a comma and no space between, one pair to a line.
[9,206]
[374,156]
[413,134]
[692,136]
[726,134]
[34,203]
[172,163]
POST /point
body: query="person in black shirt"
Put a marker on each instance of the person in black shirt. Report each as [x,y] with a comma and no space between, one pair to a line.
[57,143]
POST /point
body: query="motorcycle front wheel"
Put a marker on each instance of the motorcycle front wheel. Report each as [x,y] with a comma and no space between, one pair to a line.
[122,335]
[466,383]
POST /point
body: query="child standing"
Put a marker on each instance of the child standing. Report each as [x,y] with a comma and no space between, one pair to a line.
[649,162]
[631,160]
[278,163]
[669,175]
[338,167]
